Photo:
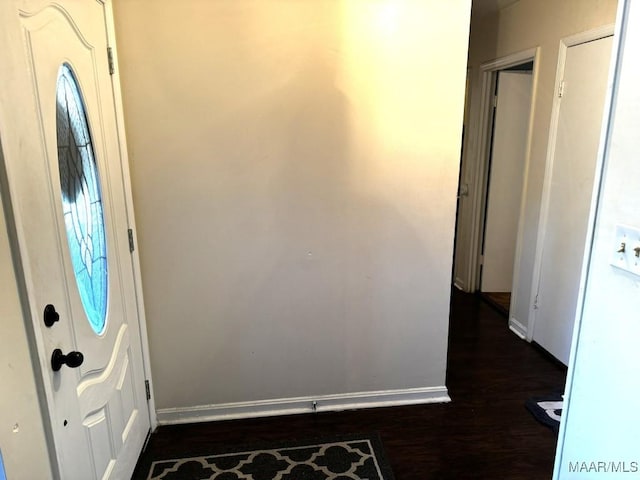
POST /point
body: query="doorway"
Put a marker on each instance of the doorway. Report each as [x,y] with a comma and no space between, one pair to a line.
[504,182]
[518,73]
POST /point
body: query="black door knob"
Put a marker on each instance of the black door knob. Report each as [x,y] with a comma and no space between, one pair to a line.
[50,315]
[71,359]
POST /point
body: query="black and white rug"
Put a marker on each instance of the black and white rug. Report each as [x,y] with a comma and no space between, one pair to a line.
[359,458]
[548,409]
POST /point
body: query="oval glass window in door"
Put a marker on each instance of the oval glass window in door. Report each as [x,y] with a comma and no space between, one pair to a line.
[81,199]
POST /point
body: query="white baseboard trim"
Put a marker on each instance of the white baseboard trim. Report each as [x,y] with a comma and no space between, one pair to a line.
[517,328]
[290,406]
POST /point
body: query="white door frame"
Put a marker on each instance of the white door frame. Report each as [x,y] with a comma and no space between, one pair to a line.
[565,43]
[135,258]
[482,134]
[15,151]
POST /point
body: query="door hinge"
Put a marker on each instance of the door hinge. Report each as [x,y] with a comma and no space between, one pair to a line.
[561,89]
[481,259]
[112,69]
[131,244]
[147,389]
[495,101]
[535,303]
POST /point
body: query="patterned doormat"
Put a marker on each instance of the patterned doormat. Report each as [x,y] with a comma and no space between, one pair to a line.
[548,409]
[353,458]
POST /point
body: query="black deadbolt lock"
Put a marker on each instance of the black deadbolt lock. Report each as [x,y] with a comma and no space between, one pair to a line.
[50,315]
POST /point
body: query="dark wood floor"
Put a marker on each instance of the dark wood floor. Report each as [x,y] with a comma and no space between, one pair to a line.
[499,300]
[484,433]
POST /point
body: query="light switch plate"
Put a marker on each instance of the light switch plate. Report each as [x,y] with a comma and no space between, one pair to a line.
[628,259]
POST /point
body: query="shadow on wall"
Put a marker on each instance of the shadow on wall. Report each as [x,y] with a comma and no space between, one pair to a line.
[317,267]
[300,279]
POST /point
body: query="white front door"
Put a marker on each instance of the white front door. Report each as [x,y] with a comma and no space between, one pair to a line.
[570,189]
[75,251]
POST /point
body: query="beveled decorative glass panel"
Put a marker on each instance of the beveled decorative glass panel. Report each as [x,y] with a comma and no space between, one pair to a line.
[81,199]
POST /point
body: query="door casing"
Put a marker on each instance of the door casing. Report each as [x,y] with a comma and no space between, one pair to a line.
[467,277]
[505,179]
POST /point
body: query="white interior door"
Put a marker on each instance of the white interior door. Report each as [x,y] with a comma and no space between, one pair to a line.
[506,178]
[77,257]
[570,190]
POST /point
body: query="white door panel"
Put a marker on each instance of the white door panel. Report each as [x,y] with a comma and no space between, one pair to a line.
[570,191]
[506,179]
[99,412]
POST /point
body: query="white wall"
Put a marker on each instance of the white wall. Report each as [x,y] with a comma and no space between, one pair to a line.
[294,172]
[603,420]
[22,439]
[521,26]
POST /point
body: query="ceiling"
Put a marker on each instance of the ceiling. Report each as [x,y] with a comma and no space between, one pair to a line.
[483,7]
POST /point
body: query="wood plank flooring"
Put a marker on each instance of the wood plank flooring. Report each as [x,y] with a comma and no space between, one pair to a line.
[500,300]
[484,433]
